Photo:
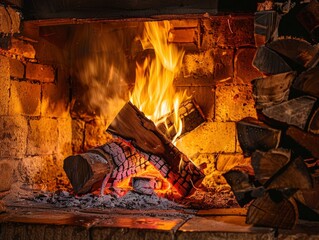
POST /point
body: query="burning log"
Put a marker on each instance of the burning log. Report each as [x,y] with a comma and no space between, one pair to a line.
[273,89]
[293,112]
[253,135]
[131,124]
[189,113]
[268,61]
[273,209]
[111,162]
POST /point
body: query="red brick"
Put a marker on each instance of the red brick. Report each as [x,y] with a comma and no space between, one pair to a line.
[244,70]
[55,97]
[183,35]
[234,102]
[13,137]
[15,17]
[40,72]
[5,21]
[6,173]
[225,162]
[95,134]
[228,31]
[65,136]
[25,98]
[16,69]
[22,49]
[43,135]
[5,85]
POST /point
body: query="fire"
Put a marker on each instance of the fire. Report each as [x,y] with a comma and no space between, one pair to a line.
[154,93]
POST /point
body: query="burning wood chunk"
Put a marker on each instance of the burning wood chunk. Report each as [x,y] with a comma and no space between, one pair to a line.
[266,164]
[266,26]
[269,62]
[308,141]
[144,185]
[309,18]
[272,90]
[297,50]
[273,209]
[113,162]
[293,112]
[131,124]
[253,135]
[308,82]
[191,116]
[313,126]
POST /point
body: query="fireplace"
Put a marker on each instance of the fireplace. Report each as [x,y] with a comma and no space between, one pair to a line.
[69,69]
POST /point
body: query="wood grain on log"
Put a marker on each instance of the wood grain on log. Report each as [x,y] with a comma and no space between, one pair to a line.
[132,125]
[293,112]
[253,135]
[297,50]
[272,90]
[273,210]
[266,164]
[308,141]
[270,62]
[308,82]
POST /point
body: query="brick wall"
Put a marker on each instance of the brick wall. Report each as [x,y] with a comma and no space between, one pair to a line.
[35,124]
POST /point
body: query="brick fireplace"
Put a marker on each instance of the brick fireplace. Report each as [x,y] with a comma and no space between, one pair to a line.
[65,74]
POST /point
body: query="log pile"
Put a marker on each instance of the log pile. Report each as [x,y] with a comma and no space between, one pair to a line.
[136,143]
[283,143]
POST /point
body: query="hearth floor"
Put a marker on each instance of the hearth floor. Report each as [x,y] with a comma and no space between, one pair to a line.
[45,222]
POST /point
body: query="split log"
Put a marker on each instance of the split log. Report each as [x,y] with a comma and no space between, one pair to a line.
[111,162]
[308,82]
[273,209]
[272,90]
[253,135]
[293,112]
[308,141]
[266,164]
[180,171]
[270,62]
[294,175]
[191,117]
[266,26]
[307,213]
[297,50]
[309,18]
[241,182]
[313,126]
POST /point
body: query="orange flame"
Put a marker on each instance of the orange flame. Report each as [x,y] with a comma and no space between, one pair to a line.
[154,93]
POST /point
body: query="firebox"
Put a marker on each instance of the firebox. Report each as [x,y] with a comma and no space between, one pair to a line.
[147,119]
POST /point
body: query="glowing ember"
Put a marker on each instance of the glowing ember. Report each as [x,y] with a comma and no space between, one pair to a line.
[154,93]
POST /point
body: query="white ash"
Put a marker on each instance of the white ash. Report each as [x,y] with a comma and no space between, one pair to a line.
[131,200]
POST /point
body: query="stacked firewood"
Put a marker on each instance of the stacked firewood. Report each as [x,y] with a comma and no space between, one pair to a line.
[136,144]
[283,143]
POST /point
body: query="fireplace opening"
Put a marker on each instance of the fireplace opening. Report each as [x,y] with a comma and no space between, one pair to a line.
[150,109]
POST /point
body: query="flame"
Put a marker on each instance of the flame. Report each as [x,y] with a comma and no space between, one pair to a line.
[154,93]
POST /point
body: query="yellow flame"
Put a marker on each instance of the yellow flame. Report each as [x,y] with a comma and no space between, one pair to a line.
[154,93]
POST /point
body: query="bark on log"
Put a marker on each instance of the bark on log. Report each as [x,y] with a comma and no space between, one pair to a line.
[308,141]
[273,209]
[297,50]
[270,62]
[272,90]
[111,162]
[293,112]
[253,135]
[266,164]
[190,114]
[308,82]
[132,125]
